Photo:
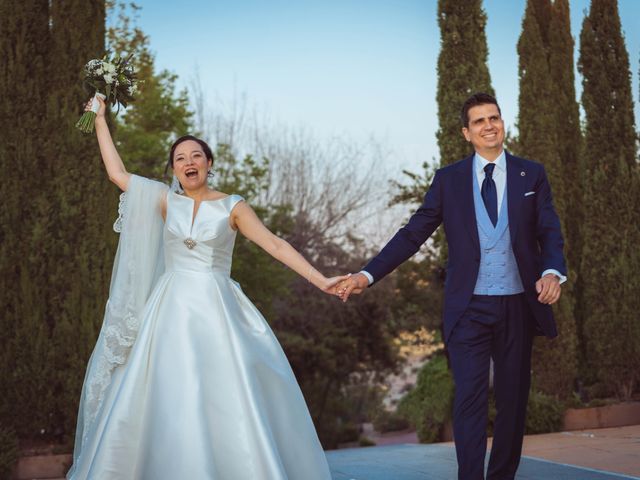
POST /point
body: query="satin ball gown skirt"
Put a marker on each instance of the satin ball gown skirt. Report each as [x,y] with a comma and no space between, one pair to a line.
[207,392]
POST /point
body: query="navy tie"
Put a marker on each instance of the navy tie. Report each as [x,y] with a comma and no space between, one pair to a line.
[489,193]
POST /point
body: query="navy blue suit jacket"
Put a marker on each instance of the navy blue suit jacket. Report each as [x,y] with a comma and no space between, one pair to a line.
[533,224]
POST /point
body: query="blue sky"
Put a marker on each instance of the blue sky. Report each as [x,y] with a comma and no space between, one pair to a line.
[346,67]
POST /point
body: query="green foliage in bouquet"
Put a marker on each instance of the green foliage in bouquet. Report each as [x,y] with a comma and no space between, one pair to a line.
[114,78]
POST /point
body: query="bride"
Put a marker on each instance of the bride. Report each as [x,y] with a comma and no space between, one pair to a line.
[187,381]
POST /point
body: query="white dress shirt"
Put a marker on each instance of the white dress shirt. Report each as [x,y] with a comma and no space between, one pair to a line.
[500,179]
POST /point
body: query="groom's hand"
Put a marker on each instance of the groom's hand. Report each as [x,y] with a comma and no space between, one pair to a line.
[548,288]
[354,284]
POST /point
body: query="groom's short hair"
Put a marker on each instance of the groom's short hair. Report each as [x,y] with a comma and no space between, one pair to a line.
[474,100]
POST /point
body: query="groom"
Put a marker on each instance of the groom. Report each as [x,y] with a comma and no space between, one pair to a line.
[504,273]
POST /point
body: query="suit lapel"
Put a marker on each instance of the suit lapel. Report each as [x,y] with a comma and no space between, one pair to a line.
[516,177]
[464,192]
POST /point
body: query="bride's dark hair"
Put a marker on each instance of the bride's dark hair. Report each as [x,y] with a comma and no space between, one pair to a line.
[205,148]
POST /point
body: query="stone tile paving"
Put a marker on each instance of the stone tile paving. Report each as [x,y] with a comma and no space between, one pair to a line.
[610,449]
[438,462]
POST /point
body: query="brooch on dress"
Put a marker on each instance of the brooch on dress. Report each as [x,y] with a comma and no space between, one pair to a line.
[190,243]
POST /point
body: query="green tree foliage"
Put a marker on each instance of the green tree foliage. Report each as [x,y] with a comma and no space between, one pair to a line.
[261,276]
[462,71]
[537,135]
[609,269]
[419,282]
[53,303]
[57,247]
[8,451]
[80,242]
[159,114]
[49,174]
[545,413]
[331,346]
[567,126]
[25,219]
[418,297]
[429,406]
[545,102]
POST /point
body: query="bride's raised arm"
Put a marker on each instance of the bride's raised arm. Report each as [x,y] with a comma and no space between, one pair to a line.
[113,163]
[247,222]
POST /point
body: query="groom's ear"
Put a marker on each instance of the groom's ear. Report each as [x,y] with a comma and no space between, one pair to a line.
[465,132]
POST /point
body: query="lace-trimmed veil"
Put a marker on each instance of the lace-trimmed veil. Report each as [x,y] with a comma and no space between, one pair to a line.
[137,266]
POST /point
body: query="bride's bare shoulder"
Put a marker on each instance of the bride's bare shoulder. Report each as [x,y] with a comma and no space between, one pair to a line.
[216,195]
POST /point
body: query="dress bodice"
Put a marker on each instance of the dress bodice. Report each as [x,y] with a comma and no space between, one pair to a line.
[204,243]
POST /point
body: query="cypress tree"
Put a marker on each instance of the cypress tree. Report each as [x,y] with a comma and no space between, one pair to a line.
[537,136]
[85,205]
[462,71]
[567,127]
[544,97]
[24,373]
[609,295]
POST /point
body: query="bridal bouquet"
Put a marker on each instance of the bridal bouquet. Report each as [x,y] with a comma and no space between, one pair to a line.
[111,78]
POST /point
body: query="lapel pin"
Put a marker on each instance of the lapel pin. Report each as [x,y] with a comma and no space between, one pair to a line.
[522,174]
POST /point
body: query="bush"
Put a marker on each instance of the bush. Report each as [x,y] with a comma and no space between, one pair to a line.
[544,413]
[348,432]
[386,421]
[366,442]
[8,451]
[429,406]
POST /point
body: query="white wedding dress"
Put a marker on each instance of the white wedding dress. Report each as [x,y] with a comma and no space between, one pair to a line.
[206,391]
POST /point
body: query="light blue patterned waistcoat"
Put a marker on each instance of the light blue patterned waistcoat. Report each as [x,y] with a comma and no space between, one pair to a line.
[498,274]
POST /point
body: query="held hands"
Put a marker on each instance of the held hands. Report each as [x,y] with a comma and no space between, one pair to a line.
[344,285]
[330,284]
[548,288]
[353,284]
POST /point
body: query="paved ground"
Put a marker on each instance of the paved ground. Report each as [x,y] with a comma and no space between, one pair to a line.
[601,454]
[438,462]
[611,449]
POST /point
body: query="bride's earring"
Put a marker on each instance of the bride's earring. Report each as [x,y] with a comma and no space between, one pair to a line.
[175,185]
[210,176]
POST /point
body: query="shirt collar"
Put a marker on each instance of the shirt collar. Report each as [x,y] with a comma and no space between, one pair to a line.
[481,162]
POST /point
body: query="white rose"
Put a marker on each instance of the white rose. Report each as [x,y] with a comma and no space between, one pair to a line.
[108,77]
[92,66]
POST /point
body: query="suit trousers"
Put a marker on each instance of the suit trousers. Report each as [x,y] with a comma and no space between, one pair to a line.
[499,327]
